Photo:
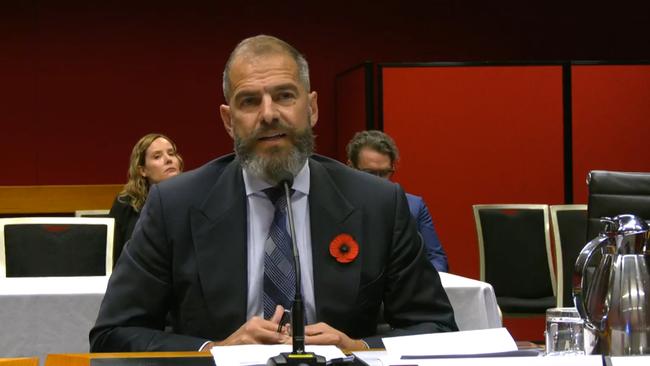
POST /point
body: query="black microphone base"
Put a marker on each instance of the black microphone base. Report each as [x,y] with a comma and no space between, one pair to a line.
[296,359]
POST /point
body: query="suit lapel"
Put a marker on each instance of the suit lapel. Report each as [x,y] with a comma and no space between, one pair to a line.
[219,235]
[335,284]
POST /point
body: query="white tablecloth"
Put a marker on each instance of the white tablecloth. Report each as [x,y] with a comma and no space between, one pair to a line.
[41,315]
[475,305]
[54,314]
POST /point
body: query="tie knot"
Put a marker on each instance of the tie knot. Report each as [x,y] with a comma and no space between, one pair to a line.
[274,193]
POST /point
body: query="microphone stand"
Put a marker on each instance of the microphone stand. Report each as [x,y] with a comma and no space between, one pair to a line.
[298,357]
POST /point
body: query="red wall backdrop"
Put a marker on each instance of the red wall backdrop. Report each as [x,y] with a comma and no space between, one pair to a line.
[80,81]
[611,121]
[470,135]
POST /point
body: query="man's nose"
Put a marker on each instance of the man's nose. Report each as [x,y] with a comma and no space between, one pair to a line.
[269,110]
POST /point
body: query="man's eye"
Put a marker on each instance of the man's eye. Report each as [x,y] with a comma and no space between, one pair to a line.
[285,97]
[248,102]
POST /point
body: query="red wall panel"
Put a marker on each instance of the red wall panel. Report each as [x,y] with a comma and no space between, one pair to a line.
[470,135]
[611,121]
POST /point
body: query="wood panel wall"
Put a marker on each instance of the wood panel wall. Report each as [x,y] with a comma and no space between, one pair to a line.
[42,200]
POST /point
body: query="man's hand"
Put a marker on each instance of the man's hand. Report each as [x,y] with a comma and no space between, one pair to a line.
[321,333]
[256,330]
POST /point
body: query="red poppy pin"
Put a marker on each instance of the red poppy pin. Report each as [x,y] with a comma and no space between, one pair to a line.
[344,249]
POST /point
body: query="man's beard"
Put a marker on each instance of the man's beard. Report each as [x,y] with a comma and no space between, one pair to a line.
[279,164]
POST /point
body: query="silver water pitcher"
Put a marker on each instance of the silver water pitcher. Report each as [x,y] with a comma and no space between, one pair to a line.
[613,297]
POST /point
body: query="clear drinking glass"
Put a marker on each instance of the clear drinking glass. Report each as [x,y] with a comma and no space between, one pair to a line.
[564,332]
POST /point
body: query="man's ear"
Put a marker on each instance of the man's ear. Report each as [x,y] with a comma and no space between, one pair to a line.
[313,108]
[350,163]
[226,117]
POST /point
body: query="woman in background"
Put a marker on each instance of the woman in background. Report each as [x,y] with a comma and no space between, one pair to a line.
[154,158]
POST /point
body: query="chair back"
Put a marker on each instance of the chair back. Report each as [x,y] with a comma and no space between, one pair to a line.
[515,255]
[56,246]
[569,223]
[613,193]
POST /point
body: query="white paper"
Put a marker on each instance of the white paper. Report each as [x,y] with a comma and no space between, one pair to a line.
[451,343]
[631,361]
[506,361]
[258,354]
[373,358]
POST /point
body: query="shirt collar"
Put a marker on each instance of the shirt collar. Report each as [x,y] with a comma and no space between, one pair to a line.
[255,185]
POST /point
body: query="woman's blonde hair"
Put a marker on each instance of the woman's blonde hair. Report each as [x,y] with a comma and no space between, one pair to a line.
[136,188]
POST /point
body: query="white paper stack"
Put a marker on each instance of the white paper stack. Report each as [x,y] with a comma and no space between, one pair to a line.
[464,348]
[452,343]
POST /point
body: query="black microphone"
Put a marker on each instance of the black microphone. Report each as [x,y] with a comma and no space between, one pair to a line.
[298,357]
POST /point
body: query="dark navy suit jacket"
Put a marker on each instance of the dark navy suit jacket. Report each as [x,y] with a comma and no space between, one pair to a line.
[420,212]
[188,257]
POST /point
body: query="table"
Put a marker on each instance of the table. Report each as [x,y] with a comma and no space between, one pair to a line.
[28,361]
[44,315]
[41,315]
[132,359]
[205,359]
[474,302]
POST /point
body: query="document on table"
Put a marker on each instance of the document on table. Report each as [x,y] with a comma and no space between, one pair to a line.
[464,348]
[258,354]
[595,360]
[426,347]
[452,343]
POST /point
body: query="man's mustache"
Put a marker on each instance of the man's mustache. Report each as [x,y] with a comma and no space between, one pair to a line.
[276,126]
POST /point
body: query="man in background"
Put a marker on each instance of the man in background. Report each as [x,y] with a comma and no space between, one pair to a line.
[210,245]
[376,153]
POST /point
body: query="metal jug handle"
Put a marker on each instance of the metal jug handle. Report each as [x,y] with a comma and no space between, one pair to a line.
[585,256]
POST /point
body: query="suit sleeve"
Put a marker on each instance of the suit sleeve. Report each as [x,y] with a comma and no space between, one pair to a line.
[414,300]
[137,300]
[435,253]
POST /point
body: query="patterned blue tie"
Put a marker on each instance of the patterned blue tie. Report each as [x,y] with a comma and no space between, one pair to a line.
[279,274]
